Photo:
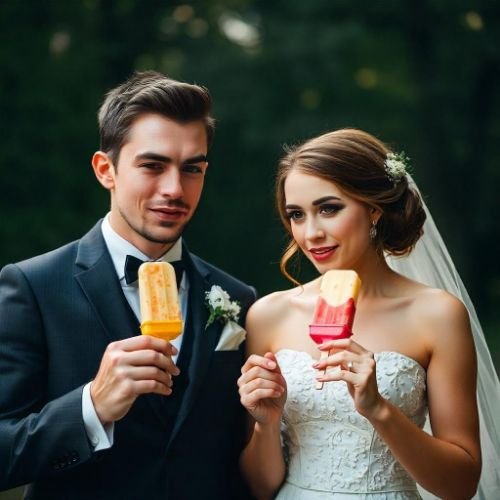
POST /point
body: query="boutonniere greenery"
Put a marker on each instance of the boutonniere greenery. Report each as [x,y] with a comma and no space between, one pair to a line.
[221,307]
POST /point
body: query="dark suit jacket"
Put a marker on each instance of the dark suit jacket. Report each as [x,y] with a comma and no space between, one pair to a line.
[58,312]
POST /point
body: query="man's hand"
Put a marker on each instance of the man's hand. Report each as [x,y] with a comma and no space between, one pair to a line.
[130,367]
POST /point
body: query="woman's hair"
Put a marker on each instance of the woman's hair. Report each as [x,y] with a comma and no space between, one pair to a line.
[355,161]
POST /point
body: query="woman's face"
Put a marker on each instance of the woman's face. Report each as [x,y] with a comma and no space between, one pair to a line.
[331,228]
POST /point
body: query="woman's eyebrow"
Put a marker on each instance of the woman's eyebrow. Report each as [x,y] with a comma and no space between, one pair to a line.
[321,200]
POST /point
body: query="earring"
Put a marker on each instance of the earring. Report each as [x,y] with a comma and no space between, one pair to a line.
[373,230]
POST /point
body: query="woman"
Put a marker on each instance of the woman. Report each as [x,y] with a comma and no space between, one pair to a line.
[346,200]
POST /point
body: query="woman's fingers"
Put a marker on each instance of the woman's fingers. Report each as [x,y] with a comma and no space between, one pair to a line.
[345,359]
[257,387]
[345,365]
[267,362]
[260,379]
[259,373]
[342,344]
[262,387]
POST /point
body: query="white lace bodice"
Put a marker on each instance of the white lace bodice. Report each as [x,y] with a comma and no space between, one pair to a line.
[330,447]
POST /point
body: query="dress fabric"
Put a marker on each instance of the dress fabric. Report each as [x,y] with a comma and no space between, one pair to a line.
[332,452]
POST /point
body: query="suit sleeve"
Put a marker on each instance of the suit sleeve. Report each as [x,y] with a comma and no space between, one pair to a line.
[38,438]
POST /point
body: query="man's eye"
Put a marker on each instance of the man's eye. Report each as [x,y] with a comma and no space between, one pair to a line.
[192,169]
[151,166]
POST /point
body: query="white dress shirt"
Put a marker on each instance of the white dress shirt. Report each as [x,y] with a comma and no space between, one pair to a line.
[101,437]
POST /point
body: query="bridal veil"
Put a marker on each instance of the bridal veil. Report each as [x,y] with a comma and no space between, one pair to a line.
[430,263]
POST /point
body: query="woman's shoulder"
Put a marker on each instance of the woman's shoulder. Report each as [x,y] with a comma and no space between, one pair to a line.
[270,306]
[437,305]
[439,315]
[272,314]
[284,301]
[263,320]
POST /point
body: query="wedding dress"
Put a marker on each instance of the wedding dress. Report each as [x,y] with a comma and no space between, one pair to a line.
[333,452]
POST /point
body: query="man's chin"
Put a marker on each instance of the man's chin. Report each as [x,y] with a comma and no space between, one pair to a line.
[163,237]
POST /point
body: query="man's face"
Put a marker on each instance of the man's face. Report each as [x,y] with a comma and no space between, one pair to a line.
[157,183]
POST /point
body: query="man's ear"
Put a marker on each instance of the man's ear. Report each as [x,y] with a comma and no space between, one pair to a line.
[104,169]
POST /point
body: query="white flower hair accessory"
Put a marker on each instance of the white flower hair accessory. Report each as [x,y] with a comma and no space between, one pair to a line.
[220,305]
[396,166]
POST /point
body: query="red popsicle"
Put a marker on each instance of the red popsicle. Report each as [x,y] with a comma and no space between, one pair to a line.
[335,308]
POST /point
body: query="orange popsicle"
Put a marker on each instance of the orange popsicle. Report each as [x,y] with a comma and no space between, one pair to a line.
[335,308]
[159,301]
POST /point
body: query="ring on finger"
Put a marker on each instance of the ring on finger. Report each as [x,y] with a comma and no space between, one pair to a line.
[349,365]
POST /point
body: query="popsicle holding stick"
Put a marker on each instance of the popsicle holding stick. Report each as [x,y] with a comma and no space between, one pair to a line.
[335,308]
[159,301]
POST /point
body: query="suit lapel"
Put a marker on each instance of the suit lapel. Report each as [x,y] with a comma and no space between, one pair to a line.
[102,288]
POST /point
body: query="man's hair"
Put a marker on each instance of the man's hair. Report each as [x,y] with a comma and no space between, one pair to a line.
[150,92]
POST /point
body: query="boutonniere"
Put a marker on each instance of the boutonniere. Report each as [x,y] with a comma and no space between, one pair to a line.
[221,307]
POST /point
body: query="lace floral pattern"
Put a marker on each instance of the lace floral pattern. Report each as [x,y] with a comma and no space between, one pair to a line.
[331,447]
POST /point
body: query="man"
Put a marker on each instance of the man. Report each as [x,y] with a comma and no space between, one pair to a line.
[90,409]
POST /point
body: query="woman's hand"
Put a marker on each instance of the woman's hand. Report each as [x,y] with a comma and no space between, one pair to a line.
[356,366]
[262,388]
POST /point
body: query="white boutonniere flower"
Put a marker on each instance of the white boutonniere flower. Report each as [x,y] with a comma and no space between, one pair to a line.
[221,307]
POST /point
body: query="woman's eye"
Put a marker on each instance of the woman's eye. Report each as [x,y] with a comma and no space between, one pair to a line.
[295,214]
[329,209]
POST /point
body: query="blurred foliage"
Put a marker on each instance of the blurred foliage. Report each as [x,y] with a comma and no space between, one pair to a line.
[423,76]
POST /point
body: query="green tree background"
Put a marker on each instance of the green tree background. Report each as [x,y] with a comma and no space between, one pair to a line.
[423,76]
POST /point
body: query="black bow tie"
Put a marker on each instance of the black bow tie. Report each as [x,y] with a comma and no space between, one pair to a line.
[132,267]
